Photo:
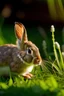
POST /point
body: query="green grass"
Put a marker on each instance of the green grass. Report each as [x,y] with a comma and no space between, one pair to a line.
[45,82]
[42,84]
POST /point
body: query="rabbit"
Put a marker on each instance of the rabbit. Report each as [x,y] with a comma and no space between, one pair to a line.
[20,58]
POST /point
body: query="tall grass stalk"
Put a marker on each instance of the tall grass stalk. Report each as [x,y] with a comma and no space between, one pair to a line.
[54,48]
[61,58]
[59,64]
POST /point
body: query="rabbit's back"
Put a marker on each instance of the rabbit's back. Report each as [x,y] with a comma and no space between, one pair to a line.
[6,54]
[9,59]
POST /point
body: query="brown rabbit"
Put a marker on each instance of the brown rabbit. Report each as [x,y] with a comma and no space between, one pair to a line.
[19,58]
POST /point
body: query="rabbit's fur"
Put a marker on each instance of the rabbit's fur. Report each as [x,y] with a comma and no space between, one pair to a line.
[22,57]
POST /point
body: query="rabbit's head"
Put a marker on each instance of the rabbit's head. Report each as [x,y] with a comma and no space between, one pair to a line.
[29,50]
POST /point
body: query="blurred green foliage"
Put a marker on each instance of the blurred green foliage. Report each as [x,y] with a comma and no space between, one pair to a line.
[40,85]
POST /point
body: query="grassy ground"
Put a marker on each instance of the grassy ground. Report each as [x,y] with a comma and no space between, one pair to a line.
[44,83]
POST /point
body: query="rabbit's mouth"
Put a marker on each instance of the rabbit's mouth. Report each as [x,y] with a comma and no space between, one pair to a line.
[37,61]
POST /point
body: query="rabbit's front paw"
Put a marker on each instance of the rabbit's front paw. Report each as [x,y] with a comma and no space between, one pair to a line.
[28,76]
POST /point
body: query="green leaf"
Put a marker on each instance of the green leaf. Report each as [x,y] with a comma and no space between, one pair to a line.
[3,85]
[51,82]
[43,85]
[10,82]
[57,68]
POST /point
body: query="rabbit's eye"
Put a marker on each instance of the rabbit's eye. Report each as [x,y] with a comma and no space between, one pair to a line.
[29,51]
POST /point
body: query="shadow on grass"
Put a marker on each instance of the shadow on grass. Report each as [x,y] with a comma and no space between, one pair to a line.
[31,91]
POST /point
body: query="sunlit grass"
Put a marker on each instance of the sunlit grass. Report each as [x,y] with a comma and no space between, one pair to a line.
[41,84]
[56,63]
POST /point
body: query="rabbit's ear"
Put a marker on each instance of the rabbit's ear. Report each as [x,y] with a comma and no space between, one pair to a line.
[20,31]
[21,34]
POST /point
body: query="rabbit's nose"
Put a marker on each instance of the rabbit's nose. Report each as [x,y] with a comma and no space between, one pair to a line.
[36,61]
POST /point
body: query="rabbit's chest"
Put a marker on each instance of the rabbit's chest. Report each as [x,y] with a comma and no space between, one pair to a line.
[27,70]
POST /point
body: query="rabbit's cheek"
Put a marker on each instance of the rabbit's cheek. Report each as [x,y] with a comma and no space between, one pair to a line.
[28,58]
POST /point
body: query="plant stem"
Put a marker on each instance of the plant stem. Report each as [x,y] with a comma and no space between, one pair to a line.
[55,53]
[61,58]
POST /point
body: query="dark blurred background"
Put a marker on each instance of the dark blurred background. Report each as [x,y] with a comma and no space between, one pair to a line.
[33,11]
[36,15]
